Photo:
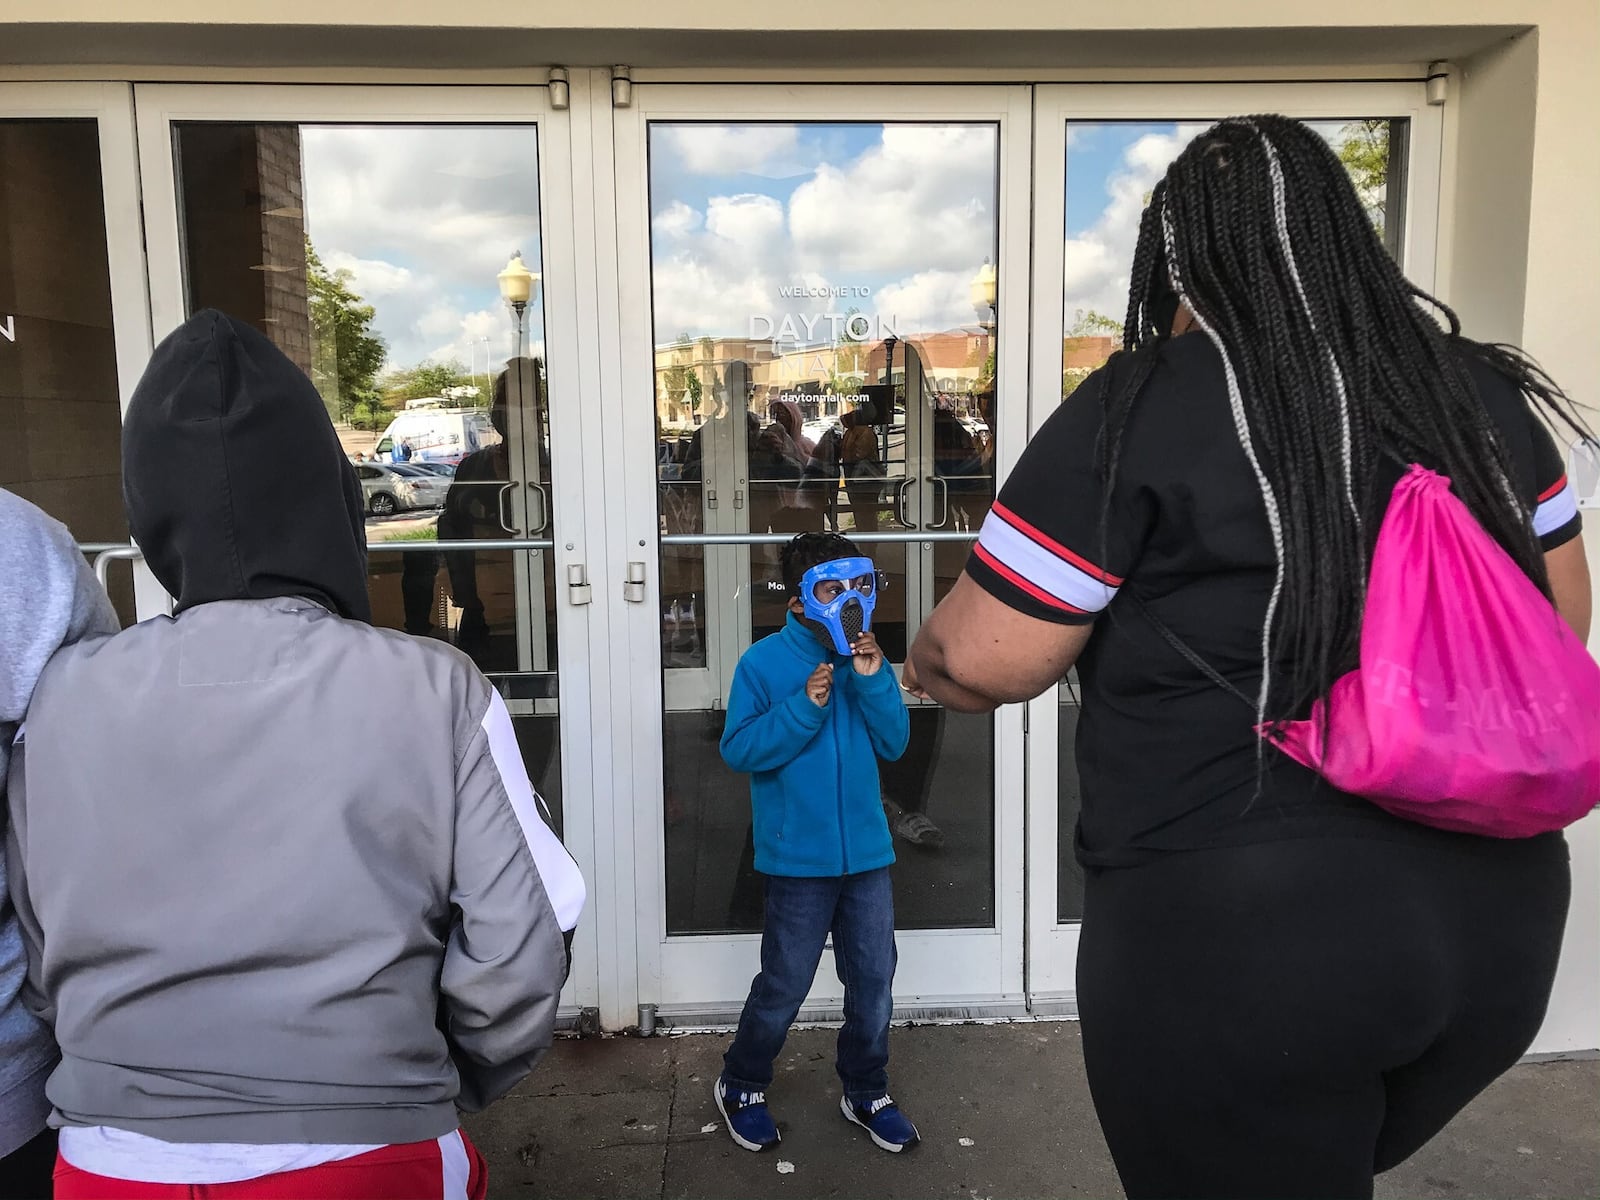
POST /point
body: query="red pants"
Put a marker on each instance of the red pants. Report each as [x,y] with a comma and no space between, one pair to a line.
[414,1171]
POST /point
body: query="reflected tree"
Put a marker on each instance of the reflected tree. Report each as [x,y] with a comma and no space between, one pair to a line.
[1363,148]
[346,354]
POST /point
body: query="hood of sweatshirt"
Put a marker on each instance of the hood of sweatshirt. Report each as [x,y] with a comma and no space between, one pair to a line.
[235,482]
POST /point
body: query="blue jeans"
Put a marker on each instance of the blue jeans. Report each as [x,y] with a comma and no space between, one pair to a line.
[859,911]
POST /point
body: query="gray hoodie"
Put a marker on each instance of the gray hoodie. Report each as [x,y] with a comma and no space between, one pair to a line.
[283,875]
[48,599]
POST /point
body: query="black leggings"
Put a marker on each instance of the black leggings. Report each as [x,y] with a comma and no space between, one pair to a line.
[1286,1019]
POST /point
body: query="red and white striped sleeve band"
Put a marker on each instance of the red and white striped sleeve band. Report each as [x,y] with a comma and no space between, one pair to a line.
[1558,504]
[1042,567]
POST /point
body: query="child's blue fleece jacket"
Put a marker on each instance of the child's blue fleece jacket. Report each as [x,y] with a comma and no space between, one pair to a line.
[814,795]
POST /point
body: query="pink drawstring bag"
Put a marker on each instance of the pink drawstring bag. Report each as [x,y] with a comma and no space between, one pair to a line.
[1475,707]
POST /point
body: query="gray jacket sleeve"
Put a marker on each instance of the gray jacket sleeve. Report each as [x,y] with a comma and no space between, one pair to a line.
[516,896]
[31,992]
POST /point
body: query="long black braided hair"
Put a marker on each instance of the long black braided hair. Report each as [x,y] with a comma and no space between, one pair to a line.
[1333,358]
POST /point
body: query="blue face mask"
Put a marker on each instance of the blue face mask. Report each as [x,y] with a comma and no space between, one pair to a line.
[850,611]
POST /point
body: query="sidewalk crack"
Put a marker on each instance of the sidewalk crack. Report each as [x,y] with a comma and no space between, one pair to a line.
[672,1120]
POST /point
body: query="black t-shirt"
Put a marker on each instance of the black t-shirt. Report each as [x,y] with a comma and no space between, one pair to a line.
[1166,759]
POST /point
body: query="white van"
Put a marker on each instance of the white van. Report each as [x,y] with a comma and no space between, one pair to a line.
[441,435]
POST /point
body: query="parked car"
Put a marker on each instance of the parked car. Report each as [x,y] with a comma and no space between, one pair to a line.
[390,488]
[448,470]
[427,487]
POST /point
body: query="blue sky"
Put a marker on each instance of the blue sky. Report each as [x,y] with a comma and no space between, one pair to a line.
[1096,153]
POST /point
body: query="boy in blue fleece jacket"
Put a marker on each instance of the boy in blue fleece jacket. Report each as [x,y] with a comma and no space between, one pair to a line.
[809,725]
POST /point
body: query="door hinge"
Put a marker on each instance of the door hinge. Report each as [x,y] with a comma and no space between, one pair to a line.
[621,87]
[633,585]
[578,589]
[560,93]
[1438,85]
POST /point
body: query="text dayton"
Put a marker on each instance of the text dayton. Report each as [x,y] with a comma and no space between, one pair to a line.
[812,327]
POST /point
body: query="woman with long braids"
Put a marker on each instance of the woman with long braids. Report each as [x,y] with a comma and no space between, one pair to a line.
[1284,990]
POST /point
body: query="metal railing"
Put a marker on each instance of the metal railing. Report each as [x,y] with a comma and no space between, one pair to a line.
[106,553]
[892,536]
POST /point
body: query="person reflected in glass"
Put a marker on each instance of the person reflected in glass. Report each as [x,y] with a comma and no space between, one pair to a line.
[783,455]
[861,460]
[958,467]
[473,510]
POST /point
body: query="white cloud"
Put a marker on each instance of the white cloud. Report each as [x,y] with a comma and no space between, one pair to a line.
[750,222]
[1098,261]
[677,220]
[371,277]
[481,340]
[928,301]
[713,149]
[923,198]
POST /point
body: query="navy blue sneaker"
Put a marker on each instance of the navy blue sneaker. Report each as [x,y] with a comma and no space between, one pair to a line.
[749,1122]
[884,1123]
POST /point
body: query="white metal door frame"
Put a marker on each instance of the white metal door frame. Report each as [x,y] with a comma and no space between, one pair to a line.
[159,106]
[1052,944]
[110,106]
[939,969]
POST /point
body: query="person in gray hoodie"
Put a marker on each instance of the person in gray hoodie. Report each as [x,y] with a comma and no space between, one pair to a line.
[48,599]
[275,965]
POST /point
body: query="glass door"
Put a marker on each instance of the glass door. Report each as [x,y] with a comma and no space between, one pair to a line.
[1098,151]
[408,249]
[73,327]
[816,335]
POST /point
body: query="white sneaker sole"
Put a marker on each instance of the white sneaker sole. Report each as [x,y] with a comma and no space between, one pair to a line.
[746,1143]
[891,1147]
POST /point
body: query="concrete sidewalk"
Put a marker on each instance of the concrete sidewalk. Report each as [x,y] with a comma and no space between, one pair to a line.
[1003,1109]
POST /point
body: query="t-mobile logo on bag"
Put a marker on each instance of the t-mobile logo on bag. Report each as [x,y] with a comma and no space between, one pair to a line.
[1392,684]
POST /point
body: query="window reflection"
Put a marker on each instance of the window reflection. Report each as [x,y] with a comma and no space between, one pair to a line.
[59,403]
[824,299]
[370,254]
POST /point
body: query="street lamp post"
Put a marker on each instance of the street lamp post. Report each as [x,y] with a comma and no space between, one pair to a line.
[983,294]
[517,287]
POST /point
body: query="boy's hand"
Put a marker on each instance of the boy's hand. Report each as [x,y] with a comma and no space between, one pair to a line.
[868,655]
[820,686]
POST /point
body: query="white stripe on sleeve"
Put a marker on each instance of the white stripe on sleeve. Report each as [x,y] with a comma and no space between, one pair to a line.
[1044,569]
[1555,512]
[563,883]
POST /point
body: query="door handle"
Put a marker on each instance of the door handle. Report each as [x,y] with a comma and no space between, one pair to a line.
[942,490]
[900,500]
[539,520]
[504,514]
[633,584]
